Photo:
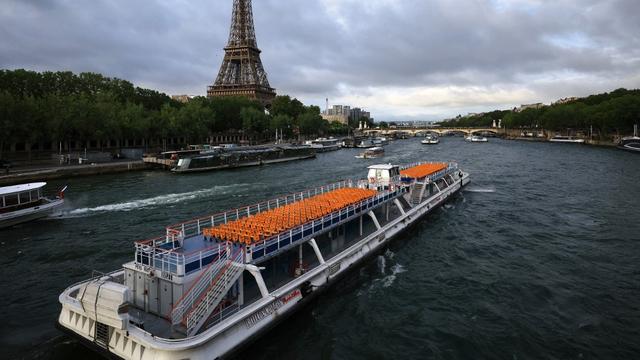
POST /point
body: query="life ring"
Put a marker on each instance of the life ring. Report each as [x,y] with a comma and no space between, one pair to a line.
[372,180]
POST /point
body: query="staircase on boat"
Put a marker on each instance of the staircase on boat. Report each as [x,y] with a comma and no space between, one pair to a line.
[191,312]
[417,193]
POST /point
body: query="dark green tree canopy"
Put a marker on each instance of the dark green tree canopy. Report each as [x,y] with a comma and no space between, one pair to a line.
[62,106]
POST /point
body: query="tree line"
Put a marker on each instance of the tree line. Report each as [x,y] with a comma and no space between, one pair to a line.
[606,113]
[41,107]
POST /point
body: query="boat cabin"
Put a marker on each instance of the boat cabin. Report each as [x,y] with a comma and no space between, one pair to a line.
[383,174]
[20,196]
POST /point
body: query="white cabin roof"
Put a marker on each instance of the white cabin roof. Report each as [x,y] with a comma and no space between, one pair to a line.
[382,167]
[20,188]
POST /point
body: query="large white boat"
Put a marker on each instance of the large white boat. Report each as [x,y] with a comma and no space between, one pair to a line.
[208,286]
[372,153]
[476,138]
[323,144]
[25,202]
[566,139]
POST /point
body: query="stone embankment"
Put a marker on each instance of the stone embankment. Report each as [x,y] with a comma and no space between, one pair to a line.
[18,176]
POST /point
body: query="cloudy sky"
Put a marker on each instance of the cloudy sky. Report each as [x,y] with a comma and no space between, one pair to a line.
[401,59]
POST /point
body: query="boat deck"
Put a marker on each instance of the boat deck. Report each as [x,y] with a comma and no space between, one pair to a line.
[266,228]
[251,230]
[423,170]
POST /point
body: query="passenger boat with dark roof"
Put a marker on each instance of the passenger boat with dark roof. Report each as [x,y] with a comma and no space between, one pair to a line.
[26,202]
[242,156]
[208,286]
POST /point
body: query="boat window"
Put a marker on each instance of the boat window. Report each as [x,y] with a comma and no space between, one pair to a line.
[34,195]
[24,198]
[11,200]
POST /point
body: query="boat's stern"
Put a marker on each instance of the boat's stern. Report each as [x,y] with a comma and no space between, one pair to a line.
[96,313]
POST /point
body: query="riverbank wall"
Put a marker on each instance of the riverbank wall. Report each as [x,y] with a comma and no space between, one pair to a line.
[18,176]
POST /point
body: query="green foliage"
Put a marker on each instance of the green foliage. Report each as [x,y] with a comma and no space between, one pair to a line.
[338,128]
[607,113]
[311,122]
[253,120]
[481,120]
[62,106]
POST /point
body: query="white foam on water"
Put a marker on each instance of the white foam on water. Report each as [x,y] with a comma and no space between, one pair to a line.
[480,190]
[382,264]
[398,269]
[388,281]
[156,201]
[390,254]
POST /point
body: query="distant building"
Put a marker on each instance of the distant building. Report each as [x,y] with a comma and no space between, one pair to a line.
[182,98]
[342,113]
[529,106]
[565,100]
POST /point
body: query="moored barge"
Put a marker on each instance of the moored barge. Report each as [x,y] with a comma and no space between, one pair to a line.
[226,158]
[208,286]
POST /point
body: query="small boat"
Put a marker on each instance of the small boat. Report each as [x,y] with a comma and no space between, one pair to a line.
[365,144]
[25,202]
[566,139]
[430,140]
[476,138]
[374,152]
[380,141]
[631,143]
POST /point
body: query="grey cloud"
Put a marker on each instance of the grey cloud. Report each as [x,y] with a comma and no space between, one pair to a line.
[312,52]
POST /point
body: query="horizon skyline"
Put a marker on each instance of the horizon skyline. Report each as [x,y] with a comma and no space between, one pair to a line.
[410,61]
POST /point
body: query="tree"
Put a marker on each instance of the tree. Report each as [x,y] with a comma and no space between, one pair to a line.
[283,123]
[254,121]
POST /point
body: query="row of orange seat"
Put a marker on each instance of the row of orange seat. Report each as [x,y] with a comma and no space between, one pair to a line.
[263,225]
[424,170]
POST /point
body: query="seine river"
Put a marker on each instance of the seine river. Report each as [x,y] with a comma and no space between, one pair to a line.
[539,258]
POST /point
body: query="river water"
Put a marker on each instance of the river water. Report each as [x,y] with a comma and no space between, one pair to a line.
[539,257]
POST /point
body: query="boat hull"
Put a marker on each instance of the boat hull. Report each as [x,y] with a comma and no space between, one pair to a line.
[257,318]
[629,148]
[567,141]
[246,164]
[29,214]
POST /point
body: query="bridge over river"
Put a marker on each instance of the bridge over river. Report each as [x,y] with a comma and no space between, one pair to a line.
[439,131]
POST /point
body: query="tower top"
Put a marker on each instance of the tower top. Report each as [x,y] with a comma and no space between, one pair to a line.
[242,73]
[242,32]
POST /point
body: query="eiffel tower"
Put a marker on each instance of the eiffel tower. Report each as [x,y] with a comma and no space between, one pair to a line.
[242,73]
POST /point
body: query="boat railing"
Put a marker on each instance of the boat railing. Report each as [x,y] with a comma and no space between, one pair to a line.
[201,284]
[194,227]
[164,253]
[175,262]
[451,166]
[294,235]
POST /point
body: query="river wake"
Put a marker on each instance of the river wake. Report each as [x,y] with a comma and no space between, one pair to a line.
[152,202]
